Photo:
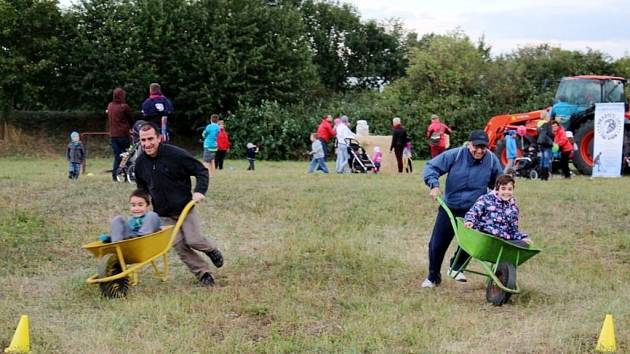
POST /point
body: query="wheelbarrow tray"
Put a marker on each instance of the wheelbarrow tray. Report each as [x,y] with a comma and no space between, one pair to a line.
[140,249]
[489,248]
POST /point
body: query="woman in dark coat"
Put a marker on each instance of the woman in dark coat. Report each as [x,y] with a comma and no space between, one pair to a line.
[399,140]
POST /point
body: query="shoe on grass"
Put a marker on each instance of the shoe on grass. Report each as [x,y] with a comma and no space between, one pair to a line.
[216,257]
[459,276]
[206,280]
[428,284]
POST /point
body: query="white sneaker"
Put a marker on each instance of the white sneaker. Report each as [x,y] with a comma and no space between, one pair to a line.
[428,284]
[457,276]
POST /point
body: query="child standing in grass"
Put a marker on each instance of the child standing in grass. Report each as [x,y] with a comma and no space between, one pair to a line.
[317,151]
[252,150]
[407,158]
[377,157]
[142,221]
[75,153]
[497,214]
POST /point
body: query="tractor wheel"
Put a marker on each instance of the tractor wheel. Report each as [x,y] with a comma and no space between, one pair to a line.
[506,272]
[108,266]
[625,167]
[584,138]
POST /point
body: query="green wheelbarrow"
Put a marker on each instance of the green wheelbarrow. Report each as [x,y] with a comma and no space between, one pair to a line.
[497,257]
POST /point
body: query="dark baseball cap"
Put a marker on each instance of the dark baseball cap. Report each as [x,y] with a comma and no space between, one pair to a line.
[478,137]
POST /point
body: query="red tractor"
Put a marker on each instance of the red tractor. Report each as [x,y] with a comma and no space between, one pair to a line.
[574,105]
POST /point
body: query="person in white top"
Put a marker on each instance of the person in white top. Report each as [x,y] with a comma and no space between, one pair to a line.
[343,133]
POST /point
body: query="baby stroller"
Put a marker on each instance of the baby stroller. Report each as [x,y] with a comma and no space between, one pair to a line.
[528,165]
[126,169]
[358,160]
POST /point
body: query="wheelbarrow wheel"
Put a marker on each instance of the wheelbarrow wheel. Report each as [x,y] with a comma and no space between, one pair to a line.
[108,266]
[506,272]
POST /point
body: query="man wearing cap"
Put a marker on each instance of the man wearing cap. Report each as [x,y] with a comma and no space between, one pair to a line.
[471,171]
[436,133]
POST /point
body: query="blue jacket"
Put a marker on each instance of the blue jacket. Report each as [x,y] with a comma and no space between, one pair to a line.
[156,106]
[467,178]
[510,146]
[210,135]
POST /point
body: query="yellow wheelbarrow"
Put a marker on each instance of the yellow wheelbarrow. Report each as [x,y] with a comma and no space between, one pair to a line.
[119,262]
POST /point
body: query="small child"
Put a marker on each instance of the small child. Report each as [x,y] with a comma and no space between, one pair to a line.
[251,155]
[377,157]
[142,221]
[317,150]
[406,157]
[496,213]
[75,155]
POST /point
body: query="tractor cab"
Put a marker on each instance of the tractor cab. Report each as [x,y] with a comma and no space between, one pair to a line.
[578,93]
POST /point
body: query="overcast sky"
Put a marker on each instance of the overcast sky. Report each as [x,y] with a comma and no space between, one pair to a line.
[602,25]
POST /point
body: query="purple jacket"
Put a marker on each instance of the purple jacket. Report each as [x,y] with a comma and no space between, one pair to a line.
[494,216]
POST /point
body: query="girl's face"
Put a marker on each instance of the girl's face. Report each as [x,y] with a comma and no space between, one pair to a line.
[506,191]
[139,206]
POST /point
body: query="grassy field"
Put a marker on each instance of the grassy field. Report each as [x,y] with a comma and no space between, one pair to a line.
[314,263]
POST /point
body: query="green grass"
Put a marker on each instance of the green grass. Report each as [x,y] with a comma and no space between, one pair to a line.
[314,263]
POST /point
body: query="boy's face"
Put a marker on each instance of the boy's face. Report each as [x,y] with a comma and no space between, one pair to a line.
[506,191]
[150,142]
[138,205]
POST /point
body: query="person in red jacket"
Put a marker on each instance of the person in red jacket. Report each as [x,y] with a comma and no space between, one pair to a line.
[325,132]
[436,133]
[120,120]
[565,146]
[223,145]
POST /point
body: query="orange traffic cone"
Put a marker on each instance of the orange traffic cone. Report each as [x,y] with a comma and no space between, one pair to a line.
[606,342]
[20,342]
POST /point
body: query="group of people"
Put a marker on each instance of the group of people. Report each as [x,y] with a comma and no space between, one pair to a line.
[552,140]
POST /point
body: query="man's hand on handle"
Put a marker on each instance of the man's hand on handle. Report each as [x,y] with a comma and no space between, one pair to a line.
[198,197]
[435,192]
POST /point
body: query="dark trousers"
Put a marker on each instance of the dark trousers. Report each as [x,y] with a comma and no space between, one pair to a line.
[218,159]
[398,150]
[325,148]
[440,240]
[252,166]
[119,145]
[564,164]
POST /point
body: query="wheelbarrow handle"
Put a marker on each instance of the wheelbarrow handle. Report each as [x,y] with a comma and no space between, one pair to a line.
[180,220]
[448,212]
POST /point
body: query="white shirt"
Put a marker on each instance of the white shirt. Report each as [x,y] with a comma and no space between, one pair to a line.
[344,132]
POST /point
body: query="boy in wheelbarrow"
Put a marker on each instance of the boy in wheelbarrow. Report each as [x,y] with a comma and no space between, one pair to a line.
[471,170]
[164,170]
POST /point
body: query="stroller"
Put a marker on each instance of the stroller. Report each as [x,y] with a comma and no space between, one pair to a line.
[528,165]
[359,161]
[126,169]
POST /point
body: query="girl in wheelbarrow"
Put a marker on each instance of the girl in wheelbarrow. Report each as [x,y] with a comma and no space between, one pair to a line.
[165,171]
[496,213]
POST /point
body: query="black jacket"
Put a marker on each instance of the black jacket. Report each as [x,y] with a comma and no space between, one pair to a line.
[545,135]
[167,178]
[399,138]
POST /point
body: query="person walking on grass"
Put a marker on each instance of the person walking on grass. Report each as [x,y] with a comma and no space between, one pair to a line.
[343,133]
[210,147]
[223,145]
[325,132]
[471,170]
[120,120]
[317,151]
[75,153]
[436,133]
[399,140]
[165,172]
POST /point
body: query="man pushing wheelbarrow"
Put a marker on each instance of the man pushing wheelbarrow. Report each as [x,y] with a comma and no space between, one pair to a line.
[164,171]
[471,172]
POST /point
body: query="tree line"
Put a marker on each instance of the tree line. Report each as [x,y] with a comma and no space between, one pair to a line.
[272,68]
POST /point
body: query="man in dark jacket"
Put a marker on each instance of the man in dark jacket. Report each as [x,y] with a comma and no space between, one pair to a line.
[399,140]
[471,171]
[157,108]
[164,171]
[120,120]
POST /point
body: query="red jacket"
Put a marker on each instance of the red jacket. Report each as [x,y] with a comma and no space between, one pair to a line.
[223,140]
[325,130]
[439,127]
[561,139]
